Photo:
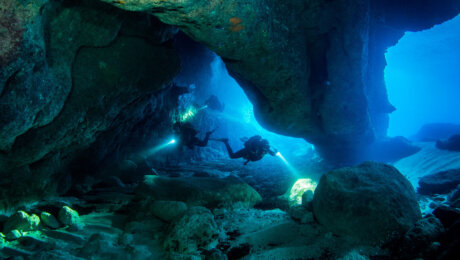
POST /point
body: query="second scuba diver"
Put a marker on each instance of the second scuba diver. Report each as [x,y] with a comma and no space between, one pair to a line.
[255,148]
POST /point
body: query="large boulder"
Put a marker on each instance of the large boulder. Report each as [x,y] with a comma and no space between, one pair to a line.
[228,192]
[439,183]
[370,202]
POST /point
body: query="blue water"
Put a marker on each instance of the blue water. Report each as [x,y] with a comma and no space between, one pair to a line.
[423,78]
[239,108]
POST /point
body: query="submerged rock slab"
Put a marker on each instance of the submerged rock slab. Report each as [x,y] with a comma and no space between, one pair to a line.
[429,160]
[436,131]
[227,192]
[439,183]
[369,202]
[451,144]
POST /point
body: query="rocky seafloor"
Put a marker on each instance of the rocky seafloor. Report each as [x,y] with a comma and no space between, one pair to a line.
[86,86]
[224,210]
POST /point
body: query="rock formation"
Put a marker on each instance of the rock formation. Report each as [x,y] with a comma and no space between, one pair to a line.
[70,73]
[313,69]
[370,202]
[80,80]
[439,183]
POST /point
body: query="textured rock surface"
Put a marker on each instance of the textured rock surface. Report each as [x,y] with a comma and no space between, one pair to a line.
[227,192]
[440,183]
[21,221]
[13,234]
[196,229]
[68,216]
[49,220]
[167,210]
[320,62]
[369,202]
[416,242]
[70,72]
[447,215]
[79,80]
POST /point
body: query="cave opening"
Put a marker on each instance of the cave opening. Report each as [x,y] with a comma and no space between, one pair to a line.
[214,101]
[422,78]
[205,76]
[115,128]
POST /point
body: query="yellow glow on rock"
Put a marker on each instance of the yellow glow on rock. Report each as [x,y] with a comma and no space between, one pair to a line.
[299,188]
[189,114]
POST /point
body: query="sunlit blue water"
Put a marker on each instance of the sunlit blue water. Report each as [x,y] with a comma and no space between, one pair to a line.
[423,78]
[238,108]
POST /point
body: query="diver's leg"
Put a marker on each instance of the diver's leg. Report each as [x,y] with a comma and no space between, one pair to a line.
[233,155]
[204,142]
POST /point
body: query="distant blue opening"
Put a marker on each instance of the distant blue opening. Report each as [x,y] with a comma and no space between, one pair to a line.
[239,110]
[423,78]
[236,121]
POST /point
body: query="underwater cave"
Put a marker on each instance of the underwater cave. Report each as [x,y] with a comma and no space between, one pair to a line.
[229,129]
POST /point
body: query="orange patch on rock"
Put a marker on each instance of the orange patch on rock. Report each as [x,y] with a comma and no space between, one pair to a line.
[236,24]
[235,20]
[236,28]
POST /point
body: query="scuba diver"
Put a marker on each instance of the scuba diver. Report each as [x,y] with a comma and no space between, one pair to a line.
[213,103]
[255,148]
[187,135]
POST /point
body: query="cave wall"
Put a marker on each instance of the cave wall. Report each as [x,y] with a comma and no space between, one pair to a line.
[70,73]
[313,69]
[82,80]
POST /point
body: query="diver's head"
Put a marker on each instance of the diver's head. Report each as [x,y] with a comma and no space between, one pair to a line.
[264,144]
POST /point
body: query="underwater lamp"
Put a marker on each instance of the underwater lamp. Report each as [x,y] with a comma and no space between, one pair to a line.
[282,157]
[172,141]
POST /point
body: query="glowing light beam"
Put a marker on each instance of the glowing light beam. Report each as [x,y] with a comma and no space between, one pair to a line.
[159,147]
[288,165]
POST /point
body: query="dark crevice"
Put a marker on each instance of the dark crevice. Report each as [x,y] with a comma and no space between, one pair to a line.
[8,83]
[318,81]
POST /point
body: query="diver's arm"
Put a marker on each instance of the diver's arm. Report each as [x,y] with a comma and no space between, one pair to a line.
[272,153]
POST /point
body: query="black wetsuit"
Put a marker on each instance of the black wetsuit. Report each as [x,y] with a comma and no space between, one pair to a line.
[187,136]
[254,149]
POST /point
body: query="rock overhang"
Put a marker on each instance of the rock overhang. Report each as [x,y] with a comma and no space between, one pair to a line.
[312,69]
